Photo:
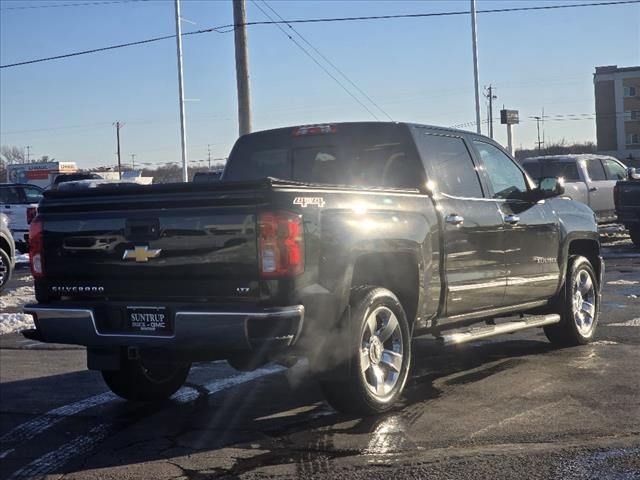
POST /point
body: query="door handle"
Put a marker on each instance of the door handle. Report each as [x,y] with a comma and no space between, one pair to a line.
[593,189]
[454,219]
[511,219]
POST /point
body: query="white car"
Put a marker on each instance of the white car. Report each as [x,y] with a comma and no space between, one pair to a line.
[588,178]
[19,202]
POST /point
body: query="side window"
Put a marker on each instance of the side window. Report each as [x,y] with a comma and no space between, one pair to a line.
[451,164]
[614,170]
[505,177]
[595,170]
[32,195]
[10,195]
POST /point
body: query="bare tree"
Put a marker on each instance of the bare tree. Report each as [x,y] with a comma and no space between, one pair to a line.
[11,154]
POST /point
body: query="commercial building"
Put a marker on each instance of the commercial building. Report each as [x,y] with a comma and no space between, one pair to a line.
[617,95]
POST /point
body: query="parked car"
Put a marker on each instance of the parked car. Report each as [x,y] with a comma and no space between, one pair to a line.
[588,178]
[7,251]
[74,177]
[19,201]
[336,243]
[627,199]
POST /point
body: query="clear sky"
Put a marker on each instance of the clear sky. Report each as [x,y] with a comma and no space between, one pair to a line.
[417,70]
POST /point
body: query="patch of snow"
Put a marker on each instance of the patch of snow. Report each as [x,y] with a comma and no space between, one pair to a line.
[22,258]
[17,297]
[623,282]
[14,322]
[605,342]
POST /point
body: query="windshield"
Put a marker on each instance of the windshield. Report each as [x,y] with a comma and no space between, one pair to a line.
[365,155]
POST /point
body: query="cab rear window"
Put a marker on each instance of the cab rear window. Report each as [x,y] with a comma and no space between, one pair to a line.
[358,155]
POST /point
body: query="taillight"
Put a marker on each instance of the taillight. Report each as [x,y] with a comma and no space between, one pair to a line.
[280,244]
[31,214]
[616,195]
[35,248]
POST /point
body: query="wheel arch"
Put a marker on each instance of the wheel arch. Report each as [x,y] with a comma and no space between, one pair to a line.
[399,272]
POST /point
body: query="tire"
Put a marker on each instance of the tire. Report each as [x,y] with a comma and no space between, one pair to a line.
[380,350]
[578,305]
[144,381]
[5,269]
[634,232]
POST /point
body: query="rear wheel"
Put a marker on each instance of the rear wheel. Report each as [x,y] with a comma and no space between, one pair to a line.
[5,269]
[634,232]
[380,355]
[577,304]
[146,381]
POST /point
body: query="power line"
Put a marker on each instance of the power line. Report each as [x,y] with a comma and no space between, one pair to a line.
[83,4]
[306,52]
[329,62]
[231,27]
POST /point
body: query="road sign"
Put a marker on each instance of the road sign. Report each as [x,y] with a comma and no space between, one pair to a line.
[509,117]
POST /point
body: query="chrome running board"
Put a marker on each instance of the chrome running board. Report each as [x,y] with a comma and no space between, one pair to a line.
[488,331]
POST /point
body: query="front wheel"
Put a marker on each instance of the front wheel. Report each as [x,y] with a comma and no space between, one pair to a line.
[577,304]
[380,355]
[146,381]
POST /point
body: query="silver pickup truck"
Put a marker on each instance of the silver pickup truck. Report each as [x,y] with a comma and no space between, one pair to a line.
[588,178]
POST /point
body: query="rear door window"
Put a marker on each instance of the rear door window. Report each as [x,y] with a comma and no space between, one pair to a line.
[566,170]
[595,170]
[451,165]
[10,195]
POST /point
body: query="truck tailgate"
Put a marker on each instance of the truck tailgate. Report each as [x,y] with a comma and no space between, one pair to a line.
[182,243]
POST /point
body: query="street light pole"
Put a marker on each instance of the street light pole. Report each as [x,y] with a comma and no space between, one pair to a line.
[183,133]
[476,75]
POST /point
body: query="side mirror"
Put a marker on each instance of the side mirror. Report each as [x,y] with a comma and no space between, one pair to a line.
[633,173]
[549,187]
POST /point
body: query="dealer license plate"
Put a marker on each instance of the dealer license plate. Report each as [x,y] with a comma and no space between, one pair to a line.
[151,320]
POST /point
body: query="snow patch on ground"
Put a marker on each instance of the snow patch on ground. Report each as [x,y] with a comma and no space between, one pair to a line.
[629,323]
[17,297]
[605,342]
[22,258]
[623,282]
[14,322]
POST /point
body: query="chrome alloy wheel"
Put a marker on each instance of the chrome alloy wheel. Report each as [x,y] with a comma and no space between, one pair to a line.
[584,303]
[381,352]
[4,271]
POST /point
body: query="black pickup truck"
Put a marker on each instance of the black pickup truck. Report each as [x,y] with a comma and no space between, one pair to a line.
[626,196]
[335,243]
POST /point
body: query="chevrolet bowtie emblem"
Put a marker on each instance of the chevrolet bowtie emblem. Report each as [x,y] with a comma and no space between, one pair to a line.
[141,254]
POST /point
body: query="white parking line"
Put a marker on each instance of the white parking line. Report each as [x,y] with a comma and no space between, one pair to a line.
[57,458]
[30,429]
[85,443]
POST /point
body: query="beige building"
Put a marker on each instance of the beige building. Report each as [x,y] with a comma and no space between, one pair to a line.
[617,94]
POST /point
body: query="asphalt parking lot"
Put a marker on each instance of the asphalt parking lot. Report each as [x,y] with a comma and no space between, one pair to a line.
[513,407]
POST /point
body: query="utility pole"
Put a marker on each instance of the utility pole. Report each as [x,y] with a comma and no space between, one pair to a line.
[118,127]
[476,75]
[537,119]
[133,161]
[242,67]
[209,155]
[491,97]
[28,147]
[183,133]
